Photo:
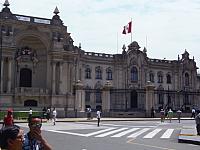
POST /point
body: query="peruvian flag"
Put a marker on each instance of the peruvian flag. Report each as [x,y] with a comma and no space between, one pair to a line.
[128,28]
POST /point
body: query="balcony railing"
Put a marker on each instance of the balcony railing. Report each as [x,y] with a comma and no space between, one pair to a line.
[30,91]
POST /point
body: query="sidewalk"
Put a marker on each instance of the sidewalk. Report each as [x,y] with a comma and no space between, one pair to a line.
[189,135]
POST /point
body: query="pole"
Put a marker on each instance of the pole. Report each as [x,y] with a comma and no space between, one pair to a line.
[1,49]
[117,42]
[146,41]
[131,31]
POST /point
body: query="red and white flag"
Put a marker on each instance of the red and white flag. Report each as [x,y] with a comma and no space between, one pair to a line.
[128,28]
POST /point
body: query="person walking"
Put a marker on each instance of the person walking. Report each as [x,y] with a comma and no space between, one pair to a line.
[30,114]
[48,113]
[193,113]
[170,115]
[11,138]
[34,140]
[179,115]
[197,120]
[98,117]
[162,115]
[152,112]
[54,114]
[8,119]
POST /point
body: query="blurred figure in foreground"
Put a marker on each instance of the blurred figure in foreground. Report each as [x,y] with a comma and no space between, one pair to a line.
[11,138]
[197,119]
[34,140]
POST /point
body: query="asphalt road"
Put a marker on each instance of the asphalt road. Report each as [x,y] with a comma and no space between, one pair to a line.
[116,135]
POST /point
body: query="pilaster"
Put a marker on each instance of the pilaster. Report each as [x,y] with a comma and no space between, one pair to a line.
[80,97]
[150,101]
[106,97]
[53,77]
[9,75]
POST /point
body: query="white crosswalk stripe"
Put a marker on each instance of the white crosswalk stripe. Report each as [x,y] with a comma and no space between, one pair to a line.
[100,131]
[167,134]
[125,132]
[152,134]
[111,132]
[134,135]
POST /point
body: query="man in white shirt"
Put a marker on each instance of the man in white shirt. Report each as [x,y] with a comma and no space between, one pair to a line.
[193,113]
[98,117]
[54,114]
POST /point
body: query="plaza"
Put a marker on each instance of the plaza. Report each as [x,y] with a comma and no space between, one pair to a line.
[41,67]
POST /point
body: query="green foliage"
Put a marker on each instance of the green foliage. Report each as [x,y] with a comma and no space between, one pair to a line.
[20,114]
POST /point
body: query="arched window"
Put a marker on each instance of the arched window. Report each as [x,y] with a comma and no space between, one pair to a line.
[109,74]
[98,73]
[168,78]
[160,77]
[151,76]
[88,73]
[186,79]
[134,74]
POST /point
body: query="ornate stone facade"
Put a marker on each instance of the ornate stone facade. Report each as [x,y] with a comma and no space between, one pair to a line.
[40,66]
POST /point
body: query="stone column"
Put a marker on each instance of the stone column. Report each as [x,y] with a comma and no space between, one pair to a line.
[9,76]
[80,97]
[53,77]
[2,65]
[67,77]
[150,101]
[60,78]
[106,97]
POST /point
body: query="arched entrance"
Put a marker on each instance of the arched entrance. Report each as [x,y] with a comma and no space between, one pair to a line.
[134,101]
[25,77]
[31,103]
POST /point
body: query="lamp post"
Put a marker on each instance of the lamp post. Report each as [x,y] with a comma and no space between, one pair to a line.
[1,49]
[74,87]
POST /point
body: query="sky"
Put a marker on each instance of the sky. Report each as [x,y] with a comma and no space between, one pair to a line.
[165,27]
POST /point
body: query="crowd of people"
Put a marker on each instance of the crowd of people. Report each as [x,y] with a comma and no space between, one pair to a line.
[13,137]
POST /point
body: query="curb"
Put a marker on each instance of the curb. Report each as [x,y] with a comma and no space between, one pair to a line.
[102,119]
[189,141]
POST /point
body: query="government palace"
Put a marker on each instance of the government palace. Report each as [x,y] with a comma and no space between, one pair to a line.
[41,67]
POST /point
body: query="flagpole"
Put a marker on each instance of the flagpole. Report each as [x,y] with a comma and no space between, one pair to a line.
[117,42]
[146,41]
[131,30]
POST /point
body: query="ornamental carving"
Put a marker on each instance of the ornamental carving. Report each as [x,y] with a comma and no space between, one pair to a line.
[26,55]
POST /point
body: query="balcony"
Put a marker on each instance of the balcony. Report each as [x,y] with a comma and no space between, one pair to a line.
[30,91]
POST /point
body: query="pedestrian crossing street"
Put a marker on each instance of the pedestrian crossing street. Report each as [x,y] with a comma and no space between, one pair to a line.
[135,132]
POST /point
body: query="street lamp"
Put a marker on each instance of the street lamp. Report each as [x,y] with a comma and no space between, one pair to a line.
[1,42]
[1,49]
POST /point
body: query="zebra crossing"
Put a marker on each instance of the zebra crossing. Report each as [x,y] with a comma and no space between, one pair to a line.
[135,132]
